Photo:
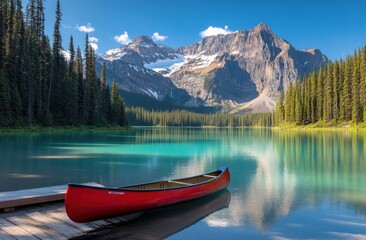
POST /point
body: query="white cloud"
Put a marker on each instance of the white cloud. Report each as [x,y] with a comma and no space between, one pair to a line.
[93,39]
[213,31]
[94,46]
[93,42]
[87,29]
[157,37]
[123,38]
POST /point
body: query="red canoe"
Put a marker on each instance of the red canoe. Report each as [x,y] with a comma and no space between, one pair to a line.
[85,203]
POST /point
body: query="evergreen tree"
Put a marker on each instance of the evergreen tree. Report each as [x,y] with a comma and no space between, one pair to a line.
[355,84]
[320,95]
[86,95]
[91,87]
[103,96]
[345,101]
[280,111]
[5,112]
[71,88]
[18,79]
[298,103]
[307,98]
[289,104]
[313,97]
[363,82]
[115,104]
[2,32]
[80,81]
[328,106]
[336,91]
[55,101]
[45,75]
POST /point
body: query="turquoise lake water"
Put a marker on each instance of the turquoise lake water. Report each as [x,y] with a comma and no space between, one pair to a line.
[284,185]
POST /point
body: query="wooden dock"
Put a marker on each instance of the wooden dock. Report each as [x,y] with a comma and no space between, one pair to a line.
[45,220]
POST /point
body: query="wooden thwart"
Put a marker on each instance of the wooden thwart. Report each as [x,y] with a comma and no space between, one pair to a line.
[210,176]
[181,183]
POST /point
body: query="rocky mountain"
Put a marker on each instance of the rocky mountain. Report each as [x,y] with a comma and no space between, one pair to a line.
[126,66]
[240,71]
[143,50]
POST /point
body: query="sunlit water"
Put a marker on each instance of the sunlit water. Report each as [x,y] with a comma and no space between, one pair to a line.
[284,184]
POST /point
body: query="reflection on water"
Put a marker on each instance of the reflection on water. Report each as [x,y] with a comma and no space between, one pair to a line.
[284,184]
[164,222]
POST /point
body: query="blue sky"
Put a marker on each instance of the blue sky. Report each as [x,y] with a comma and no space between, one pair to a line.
[336,27]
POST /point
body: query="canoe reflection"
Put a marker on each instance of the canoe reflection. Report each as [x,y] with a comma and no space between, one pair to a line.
[164,222]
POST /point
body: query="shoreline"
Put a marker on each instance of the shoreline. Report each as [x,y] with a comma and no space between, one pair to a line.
[331,126]
[61,129]
[312,127]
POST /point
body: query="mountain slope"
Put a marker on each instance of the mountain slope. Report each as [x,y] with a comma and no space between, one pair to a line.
[228,71]
[126,66]
[272,63]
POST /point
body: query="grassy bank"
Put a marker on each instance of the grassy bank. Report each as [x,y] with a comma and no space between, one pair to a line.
[324,126]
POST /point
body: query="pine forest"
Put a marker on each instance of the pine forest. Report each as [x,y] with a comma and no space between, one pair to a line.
[39,86]
[333,95]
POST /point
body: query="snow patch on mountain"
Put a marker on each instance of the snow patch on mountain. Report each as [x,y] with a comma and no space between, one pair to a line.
[167,67]
[164,63]
[151,93]
[203,60]
[115,54]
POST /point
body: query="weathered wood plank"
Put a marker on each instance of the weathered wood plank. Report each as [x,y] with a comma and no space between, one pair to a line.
[5,236]
[16,231]
[30,197]
[63,229]
[32,227]
[113,220]
[64,218]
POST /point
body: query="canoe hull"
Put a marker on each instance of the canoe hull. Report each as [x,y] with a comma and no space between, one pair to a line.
[84,204]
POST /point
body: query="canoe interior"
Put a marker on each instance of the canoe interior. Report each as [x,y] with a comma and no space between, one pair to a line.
[183,182]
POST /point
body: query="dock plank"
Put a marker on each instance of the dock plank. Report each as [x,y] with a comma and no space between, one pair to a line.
[5,236]
[64,218]
[30,226]
[16,231]
[63,229]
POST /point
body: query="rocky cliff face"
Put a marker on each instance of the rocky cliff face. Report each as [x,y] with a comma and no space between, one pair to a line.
[236,71]
[270,61]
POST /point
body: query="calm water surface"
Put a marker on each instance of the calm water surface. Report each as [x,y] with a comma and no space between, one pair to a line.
[284,184]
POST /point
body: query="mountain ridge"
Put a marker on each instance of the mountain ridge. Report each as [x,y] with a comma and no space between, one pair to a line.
[228,70]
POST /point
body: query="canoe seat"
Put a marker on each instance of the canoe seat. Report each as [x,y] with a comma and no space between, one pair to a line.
[210,176]
[180,183]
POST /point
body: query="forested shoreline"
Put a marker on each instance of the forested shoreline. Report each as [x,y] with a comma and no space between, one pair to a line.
[39,86]
[332,96]
[138,116]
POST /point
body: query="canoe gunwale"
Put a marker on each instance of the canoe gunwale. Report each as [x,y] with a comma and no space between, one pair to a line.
[125,188]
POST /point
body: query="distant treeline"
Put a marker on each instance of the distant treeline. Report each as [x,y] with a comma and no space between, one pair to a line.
[38,85]
[137,116]
[335,94]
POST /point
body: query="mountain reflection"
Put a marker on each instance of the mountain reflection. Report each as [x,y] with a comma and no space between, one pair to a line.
[164,222]
[290,170]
